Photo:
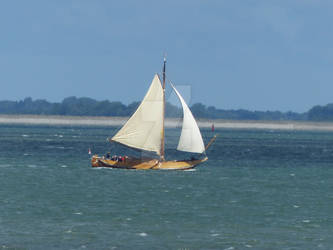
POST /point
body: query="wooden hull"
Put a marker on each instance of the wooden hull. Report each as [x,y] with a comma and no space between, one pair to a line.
[141,164]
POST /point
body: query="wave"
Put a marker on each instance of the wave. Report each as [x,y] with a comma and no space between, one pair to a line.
[5,165]
[190,170]
[142,234]
[57,147]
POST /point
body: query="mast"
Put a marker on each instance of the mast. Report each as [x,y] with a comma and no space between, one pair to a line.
[162,138]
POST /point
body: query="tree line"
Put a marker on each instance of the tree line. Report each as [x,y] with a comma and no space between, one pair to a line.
[85,106]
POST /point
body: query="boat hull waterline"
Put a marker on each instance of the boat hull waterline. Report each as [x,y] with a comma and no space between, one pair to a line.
[149,164]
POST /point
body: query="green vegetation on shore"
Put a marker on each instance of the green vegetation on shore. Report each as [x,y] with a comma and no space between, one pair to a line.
[85,106]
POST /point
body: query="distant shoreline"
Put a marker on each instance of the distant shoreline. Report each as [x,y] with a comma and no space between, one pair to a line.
[170,122]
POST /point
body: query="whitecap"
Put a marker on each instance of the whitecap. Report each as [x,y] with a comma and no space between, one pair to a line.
[25,135]
[292,174]
[56,147]
[295,206]
[97,168]
[306,221]
[229,248]
[32,166]
[78,213]
[143,234]
[64,166]
[247,245]
[25,154]
[128,219]
[214,235]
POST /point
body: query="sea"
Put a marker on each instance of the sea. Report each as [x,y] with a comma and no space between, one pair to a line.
[260,189]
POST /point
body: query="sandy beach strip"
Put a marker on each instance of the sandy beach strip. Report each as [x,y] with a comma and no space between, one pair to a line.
[170,122]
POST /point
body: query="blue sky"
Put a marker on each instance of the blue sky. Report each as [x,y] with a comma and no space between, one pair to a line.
[256,55]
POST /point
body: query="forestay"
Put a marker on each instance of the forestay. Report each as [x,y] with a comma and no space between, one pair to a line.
[144,128]
[190,139]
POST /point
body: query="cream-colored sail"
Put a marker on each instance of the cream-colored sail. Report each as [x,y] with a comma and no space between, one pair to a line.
[190,139]
[144,128]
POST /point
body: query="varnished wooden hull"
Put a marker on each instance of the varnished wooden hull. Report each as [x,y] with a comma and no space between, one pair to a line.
[153,164]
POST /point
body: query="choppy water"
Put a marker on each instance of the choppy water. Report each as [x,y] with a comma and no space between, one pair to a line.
[259,190]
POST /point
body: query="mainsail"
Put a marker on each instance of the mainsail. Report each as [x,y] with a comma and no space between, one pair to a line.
[144,128]
[190,139]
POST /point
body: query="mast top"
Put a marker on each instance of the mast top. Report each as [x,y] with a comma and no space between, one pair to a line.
[163,87]
[163,73]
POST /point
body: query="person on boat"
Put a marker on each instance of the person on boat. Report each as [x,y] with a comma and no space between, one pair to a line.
[108,155]
[193,158]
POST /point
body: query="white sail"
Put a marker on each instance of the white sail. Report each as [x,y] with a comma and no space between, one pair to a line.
[144,128]
[190,139]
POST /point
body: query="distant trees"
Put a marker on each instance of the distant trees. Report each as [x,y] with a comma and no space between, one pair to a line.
[69,106]
[200,110]
[85,106]
[27,106]
[321,113]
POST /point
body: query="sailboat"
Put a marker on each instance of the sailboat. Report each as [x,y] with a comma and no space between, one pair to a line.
[144,131]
